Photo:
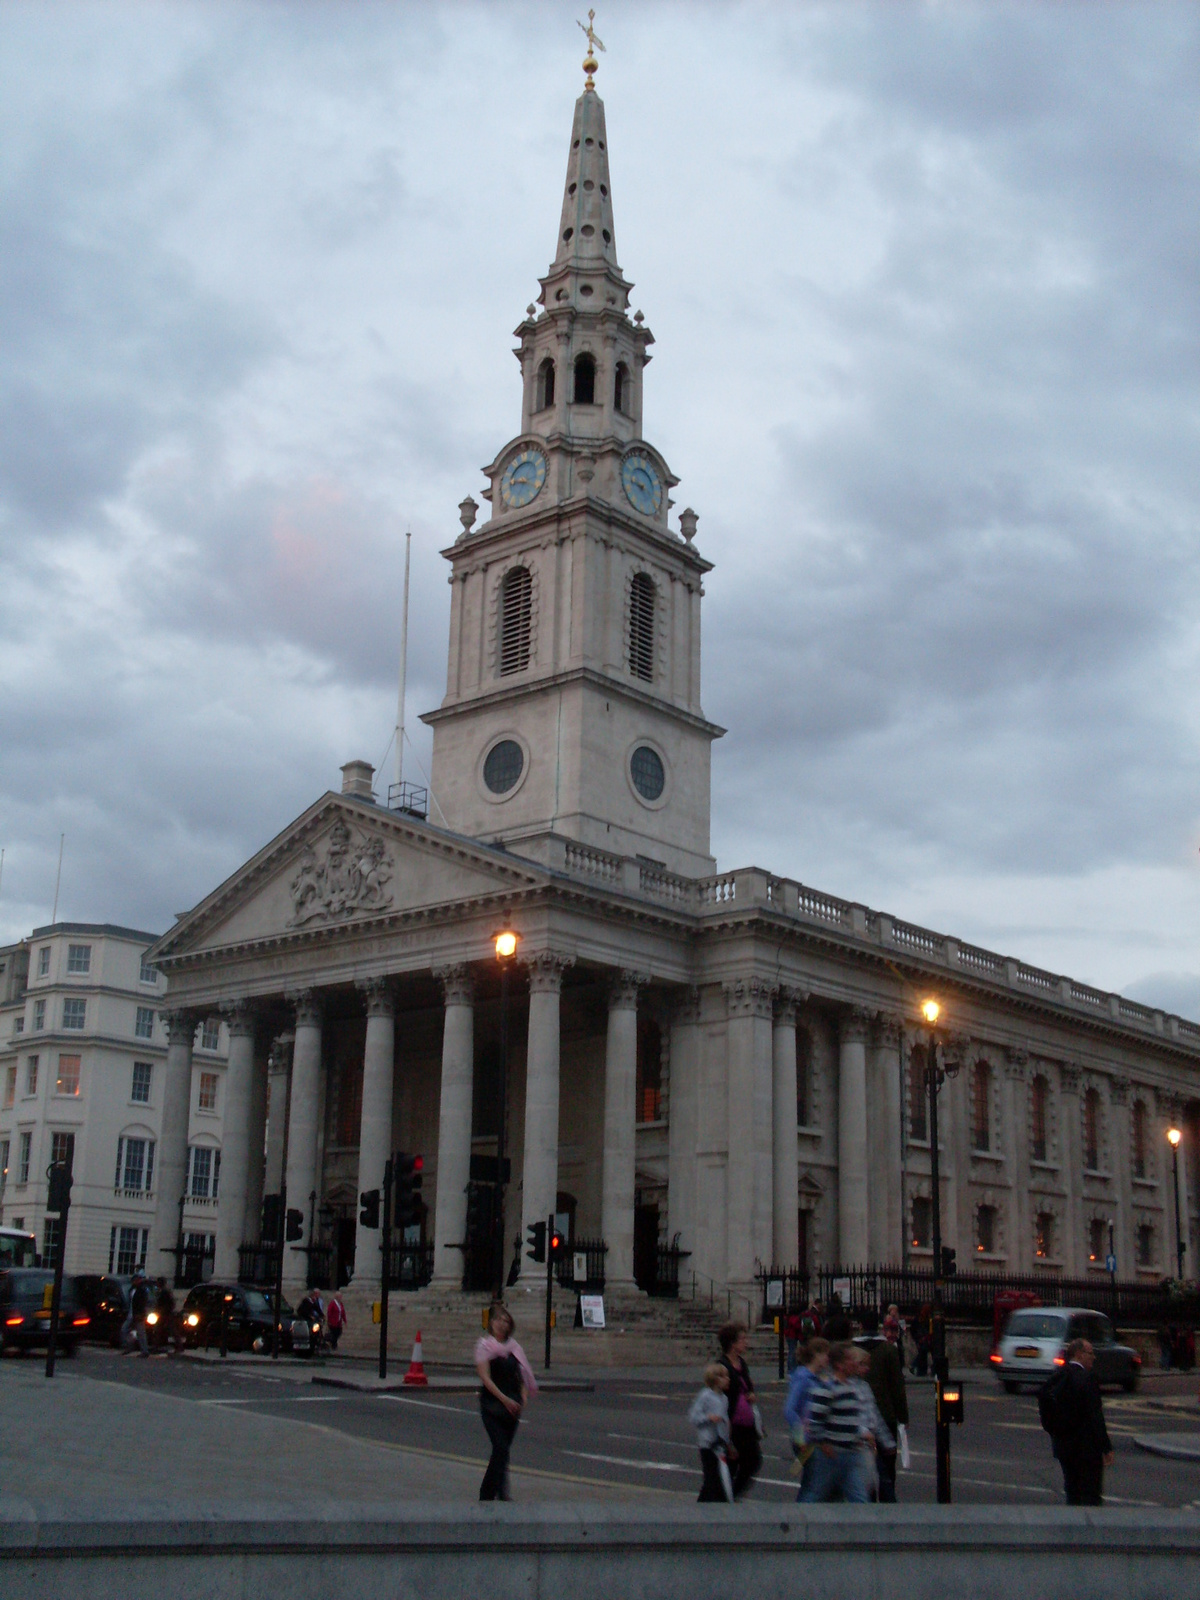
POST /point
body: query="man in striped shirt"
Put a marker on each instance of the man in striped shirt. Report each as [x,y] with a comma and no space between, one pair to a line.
[838,1426]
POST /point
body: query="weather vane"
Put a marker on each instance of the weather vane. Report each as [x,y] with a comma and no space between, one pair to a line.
[590,64]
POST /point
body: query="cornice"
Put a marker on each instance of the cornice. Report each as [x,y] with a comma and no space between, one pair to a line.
[558,680]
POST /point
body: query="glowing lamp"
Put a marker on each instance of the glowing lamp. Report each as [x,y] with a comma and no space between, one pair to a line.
[931,1011]
[1173,1137]
[506,945]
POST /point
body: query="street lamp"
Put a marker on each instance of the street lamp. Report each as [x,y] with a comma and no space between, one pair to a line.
[505,943]
[934,1078]
[1173,1138]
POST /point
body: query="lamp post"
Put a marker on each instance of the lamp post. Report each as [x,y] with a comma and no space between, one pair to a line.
[1173,1138]
[505,942]
[931,1010]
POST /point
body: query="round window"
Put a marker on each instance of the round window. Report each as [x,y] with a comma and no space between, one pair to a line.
[646,770]
[503,766]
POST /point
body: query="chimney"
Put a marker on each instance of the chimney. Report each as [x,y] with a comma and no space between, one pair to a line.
[356,779]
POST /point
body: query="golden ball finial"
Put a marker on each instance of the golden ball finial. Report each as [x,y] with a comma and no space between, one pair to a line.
[590,64]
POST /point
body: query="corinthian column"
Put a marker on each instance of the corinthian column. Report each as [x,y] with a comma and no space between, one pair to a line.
[375,1127]
[173,1137]
[750,1200]
[786,1229]
[540,1190]
[302,1131]
[235,1141]
[852,1138]
[620,1118]
[454,1123]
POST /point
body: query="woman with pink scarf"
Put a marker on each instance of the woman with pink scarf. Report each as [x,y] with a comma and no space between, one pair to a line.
[508,1382]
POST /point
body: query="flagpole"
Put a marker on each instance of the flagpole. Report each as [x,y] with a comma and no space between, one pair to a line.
[399,741]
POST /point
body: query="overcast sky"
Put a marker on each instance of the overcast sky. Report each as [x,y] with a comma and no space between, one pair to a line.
[924,285]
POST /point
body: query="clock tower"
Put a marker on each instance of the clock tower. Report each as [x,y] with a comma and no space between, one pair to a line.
[572,707]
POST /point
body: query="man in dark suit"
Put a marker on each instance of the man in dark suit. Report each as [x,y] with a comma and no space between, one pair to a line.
[1081,1441]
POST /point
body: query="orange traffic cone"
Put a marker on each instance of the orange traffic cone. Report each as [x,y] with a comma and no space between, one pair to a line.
[416,1367]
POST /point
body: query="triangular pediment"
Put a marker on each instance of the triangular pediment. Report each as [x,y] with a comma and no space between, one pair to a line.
[344,863]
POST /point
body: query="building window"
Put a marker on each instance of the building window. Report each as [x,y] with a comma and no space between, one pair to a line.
[204,1172]
[545,385]
[1096,1240]
[3,1165]
[647,773]
[918,1099]
[24,1149]
[147,973]
[641,627]
[140,1088]
[19,1023]
[67,1081]
[985,1230]
[981,1111]
[503,767]
[127,1250]
[922,1233]
[143,1026]
[1091,1130]
[44,961]
[207,1100]
[135,1166]
[516,620]
[210,1035]
[74,1014]
[62,1149]
[39,1015]
[1139,1138]
[1145,1245]
[585,381]
[1037,1108]
[621,395]
[31,1075]
[52,1233]
[79,958]
[1043,1238]
[804,1107]
[649,1071]
[10,1086]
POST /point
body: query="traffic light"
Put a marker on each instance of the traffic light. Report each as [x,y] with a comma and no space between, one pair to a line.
[557,1245]
[950,1403]
[368,1215]
[536,1241]
[59,1198]
[295,1225]
[407,1176]
[949,1264]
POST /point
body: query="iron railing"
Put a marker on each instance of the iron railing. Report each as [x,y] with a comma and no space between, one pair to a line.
[593,1251]
[664,1285]
[967,1296]
[256,1264]
[410,1266]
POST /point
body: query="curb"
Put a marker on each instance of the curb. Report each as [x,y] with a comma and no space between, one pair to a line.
[1176,1446]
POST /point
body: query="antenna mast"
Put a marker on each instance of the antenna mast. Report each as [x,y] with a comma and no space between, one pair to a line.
[399,741]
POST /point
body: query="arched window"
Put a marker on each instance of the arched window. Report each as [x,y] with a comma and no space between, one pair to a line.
[1145,1244]
[1037,1118]
[621,394]
[918,1127]
[649,1070]
[981,1110]
[1139,1138]
[585,381]
[641,627]
[922,1234]
[1096,1239]
[803,1078]
[985,1230]
[1091,1130]
[516,620]
[545,384]
[1043,1236]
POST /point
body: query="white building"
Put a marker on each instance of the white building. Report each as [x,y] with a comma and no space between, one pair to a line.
[82,1063]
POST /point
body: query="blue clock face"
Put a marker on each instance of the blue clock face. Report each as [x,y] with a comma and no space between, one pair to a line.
[522,478]
[643,486]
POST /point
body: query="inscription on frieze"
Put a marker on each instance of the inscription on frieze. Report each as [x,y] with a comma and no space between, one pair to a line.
[349,877]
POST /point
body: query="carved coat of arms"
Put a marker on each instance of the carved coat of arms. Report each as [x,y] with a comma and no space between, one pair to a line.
[352,879]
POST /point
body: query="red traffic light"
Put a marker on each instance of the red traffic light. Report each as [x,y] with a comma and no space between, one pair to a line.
[418,1164]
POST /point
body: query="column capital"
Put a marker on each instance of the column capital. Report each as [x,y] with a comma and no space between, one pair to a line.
[308,1007]
[458,984]
[378,996]
[181,1024]
[545,969]
[889,1028]
[239,1018]
[278,1055]
[750,997]
[788,1001]
[623,989]
[854,1025]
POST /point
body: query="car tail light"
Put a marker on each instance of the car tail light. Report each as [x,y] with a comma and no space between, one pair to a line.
[13,1322]
[1060,1361]
[81,1322]
[995,1356]
[1137,1361]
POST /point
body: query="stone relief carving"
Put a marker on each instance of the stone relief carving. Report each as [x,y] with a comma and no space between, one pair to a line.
[350,881]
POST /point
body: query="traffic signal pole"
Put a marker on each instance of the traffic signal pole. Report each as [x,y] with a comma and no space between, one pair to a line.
[385,1251]
[551,1253]
[59,1199]
[941,1367]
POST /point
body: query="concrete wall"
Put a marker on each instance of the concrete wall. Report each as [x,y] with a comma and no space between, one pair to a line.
[978,1553]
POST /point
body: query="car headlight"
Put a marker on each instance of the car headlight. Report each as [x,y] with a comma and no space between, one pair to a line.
[152,1318]
[193,1321]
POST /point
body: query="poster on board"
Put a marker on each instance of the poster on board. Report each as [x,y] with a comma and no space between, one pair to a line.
[592,1306]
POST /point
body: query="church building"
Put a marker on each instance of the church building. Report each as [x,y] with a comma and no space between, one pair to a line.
[728,1063]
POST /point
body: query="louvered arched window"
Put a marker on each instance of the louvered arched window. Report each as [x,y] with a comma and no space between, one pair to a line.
[516,620]
[641,627]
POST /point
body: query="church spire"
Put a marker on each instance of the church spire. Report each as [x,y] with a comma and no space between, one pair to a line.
[586,237]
